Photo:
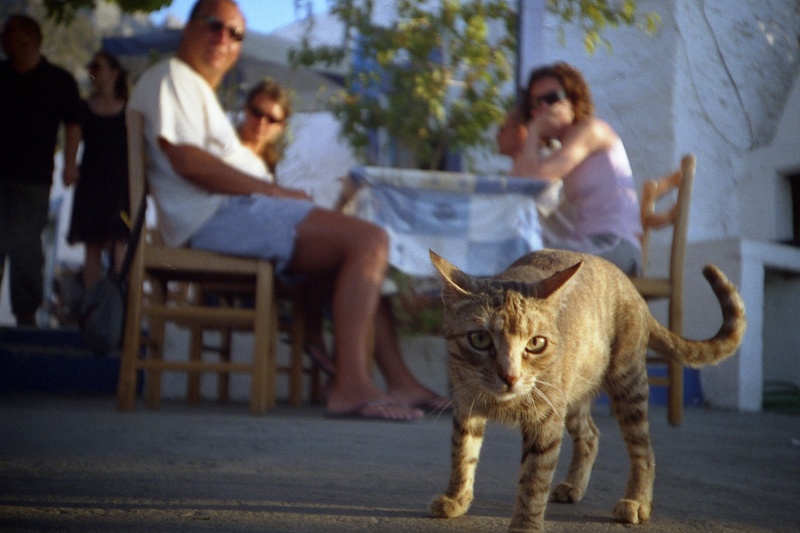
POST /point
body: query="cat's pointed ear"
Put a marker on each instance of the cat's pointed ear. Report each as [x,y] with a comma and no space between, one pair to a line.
[451,275]
[556,281]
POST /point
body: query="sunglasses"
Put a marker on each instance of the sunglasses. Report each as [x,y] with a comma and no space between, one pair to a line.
[548,98]
[256,112]
[94,65]
[216,25]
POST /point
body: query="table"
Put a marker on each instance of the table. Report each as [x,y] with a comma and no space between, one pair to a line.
[479,223]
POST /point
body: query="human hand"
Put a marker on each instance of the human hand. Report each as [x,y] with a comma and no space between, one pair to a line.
[346,193]
[543,125]
[295,193]
[70,175]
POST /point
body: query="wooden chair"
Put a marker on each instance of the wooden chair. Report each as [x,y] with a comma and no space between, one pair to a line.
[155,270]
[291,323]
[670,287]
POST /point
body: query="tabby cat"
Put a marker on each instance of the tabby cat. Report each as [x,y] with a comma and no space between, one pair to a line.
[533,345]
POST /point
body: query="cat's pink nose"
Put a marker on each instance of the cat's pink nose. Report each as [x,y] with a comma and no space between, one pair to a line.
[510,379]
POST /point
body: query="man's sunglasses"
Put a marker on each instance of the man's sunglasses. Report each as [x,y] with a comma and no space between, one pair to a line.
[548,98]
[256,112]
[216,25]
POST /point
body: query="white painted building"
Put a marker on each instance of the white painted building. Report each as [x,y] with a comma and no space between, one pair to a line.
[719,80]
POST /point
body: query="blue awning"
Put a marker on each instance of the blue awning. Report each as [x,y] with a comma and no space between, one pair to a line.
[162,42]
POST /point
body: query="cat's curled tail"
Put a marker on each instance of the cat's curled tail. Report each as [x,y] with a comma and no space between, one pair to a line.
[721,345]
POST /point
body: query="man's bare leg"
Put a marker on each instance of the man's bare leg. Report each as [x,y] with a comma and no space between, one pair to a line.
[358,251]
[401,384]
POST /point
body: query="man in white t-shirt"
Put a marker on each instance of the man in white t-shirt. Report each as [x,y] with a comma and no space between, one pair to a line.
[212,193]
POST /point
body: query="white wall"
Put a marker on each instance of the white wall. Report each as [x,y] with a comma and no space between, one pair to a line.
[770,196]
[714,81]
[720,81]
[317,157]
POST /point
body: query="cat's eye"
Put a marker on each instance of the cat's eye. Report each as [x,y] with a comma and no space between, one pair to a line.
[480,340]
[536,344]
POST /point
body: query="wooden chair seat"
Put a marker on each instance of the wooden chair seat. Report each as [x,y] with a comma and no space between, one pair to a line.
[653,288]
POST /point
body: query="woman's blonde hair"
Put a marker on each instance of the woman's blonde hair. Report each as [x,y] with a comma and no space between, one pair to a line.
[272,152]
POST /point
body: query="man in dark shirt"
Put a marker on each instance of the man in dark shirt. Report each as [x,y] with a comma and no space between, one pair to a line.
[35,98]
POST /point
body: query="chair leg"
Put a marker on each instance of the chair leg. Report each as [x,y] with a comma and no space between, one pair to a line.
[195,356]
[126,386]
[297,335]
[224,378]
[262,379]
[271,370]
[223,349]
[675,369]
[131,347]
[152,392]
[316,394]
[675,393]
[152,380]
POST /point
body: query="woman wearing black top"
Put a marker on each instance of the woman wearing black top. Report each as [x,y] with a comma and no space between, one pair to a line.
[101,193]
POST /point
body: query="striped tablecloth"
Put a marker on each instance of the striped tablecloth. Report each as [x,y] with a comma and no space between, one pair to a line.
[481,224]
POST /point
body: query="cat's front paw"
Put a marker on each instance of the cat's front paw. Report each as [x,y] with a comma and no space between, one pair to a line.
[443,506]
[566,493]
[631,512]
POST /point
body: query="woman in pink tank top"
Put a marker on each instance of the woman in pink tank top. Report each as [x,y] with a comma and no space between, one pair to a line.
[565,141]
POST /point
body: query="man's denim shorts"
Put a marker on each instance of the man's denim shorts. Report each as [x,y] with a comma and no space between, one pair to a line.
[254,226]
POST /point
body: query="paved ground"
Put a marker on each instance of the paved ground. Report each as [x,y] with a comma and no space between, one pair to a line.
[77,465]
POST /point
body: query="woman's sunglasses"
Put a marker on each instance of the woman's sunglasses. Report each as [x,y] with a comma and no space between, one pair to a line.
[548,98]
[216,25]
[256,112]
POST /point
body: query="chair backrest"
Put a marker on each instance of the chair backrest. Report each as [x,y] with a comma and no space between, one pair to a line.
[671,287]
[137,159]
[677,216]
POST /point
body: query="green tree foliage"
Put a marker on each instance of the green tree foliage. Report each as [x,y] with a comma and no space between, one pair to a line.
[443,77]
[595,16]
[437,79]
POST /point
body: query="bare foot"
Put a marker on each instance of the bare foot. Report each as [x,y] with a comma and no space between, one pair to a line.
[420,398]
[368,402]
[379,410]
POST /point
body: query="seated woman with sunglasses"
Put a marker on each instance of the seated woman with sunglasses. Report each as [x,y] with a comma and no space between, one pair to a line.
[565,141]
[267,108]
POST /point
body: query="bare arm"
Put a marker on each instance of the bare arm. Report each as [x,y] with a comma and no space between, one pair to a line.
[581,140]
[72,139]
[213,174]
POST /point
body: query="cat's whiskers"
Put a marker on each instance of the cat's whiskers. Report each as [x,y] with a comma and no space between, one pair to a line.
[478,394]
[437,413]
[475,398]
[460,384]
[546,383]
[538,392]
